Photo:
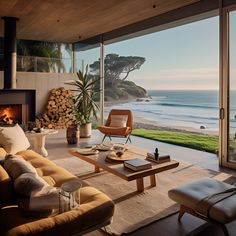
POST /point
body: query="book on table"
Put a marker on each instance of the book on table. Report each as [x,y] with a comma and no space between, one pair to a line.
[159,159]
[137,164]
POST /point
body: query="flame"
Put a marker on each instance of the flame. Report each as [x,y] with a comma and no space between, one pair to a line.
[7,115]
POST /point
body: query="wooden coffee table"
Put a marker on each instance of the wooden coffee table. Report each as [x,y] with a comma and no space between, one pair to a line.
[118,169]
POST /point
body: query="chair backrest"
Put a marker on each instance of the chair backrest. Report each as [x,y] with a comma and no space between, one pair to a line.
[121,112]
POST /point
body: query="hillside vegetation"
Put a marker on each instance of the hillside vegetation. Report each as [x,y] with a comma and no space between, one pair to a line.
[124,91]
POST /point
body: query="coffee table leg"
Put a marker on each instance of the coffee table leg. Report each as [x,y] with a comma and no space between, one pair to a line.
[96,169]
[153,180]
[140,185]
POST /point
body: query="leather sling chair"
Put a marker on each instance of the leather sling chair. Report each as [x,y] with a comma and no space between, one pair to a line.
[119,124]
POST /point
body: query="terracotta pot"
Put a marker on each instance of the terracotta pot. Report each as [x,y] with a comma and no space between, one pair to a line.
[72,134]
[86,130]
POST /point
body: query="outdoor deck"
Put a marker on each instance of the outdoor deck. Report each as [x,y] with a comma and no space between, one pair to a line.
[58,148]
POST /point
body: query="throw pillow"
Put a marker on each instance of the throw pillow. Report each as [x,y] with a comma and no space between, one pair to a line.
[118,120]
[43,203]
[24,206]
[27,183]
[16,165]
[13,139]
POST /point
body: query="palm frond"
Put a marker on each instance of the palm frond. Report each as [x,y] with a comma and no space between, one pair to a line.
[84,106]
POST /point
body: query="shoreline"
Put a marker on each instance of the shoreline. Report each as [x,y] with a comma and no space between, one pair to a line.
[119,102]
[142,123]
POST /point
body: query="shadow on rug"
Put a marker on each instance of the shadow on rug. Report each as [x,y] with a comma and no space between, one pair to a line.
[134,210]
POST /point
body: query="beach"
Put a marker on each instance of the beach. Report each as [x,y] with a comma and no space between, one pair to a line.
[141,123]
[179,111]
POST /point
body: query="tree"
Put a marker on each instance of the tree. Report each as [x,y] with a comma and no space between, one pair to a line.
[117,68]
[49,56]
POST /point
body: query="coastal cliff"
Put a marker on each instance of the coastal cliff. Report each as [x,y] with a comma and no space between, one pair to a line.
[124,91]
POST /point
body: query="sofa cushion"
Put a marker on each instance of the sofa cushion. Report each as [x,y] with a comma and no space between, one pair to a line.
[13,139]
[2,152]
[15,165]
[95,208]
[115,130]
[50,172]
[6,187]
[191,194]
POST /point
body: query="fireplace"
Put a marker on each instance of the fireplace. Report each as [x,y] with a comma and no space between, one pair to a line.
[17,106]
[12,114]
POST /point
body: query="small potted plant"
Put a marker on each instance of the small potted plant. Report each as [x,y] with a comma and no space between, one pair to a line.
[85,107]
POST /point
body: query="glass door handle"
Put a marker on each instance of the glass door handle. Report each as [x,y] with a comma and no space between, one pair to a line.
[222,113]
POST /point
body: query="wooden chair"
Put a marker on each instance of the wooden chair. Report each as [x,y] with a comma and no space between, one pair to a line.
[118,131]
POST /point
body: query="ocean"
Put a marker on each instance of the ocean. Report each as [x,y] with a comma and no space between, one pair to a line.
[181,108]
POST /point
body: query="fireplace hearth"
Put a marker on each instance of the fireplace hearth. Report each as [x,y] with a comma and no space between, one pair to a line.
[17,106]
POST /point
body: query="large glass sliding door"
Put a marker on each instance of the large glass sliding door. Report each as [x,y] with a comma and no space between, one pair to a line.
[228,88]
[232,87]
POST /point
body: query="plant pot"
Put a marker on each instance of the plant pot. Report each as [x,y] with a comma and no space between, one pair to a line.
[72,134]
[86,130]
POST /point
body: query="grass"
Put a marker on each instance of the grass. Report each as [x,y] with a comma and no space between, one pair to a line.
[208,143]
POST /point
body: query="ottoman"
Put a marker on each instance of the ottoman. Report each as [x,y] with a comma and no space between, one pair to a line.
[208,199]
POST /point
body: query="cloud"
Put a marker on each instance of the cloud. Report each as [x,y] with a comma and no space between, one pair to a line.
[181,78]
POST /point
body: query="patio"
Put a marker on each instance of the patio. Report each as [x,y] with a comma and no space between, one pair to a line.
[58,149]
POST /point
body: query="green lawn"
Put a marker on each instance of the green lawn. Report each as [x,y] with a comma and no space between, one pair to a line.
[208,143]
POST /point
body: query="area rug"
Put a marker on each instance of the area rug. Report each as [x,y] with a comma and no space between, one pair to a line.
[134,210]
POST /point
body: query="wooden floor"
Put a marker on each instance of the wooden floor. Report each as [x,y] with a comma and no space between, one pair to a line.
[57,147]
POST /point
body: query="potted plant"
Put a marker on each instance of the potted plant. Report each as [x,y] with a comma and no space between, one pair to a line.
[83,101]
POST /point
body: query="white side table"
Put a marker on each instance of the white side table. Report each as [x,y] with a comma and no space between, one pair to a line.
[68,191]
[39,140]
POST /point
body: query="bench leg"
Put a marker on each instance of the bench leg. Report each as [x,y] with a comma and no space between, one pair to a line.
[184,209]
[225,230]
[181,212]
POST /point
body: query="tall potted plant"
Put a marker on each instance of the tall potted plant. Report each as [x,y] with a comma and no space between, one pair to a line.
[83,100]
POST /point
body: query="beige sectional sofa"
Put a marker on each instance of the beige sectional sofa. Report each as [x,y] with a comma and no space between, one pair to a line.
[95,210]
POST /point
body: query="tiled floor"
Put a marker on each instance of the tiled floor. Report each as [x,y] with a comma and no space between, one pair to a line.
[58,148]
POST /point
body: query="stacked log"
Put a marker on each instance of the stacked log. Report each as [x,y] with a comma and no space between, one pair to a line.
[59,110]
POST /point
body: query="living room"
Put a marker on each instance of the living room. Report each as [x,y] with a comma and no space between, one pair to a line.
[32,92]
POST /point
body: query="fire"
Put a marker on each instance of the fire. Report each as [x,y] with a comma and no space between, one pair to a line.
[6,116]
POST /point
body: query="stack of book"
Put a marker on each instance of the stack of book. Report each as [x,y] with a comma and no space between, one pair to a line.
[137,164]
[159,159]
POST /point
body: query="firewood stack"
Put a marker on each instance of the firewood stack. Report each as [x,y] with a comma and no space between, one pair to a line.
[59,110]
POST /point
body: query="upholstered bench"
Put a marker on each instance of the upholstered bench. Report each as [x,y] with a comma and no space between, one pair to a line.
[208,199]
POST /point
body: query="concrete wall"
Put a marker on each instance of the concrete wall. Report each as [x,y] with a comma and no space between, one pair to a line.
[42,83]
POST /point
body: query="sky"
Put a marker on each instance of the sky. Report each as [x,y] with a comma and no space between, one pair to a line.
[180,58]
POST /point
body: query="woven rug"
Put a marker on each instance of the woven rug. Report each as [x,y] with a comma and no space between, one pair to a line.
[134,210]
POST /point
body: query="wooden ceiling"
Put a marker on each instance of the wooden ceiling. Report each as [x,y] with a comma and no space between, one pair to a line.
[75,20]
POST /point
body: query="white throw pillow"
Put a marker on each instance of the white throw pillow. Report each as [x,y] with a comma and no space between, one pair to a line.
[13,139]
[15,166]
[118,120]
[27,183]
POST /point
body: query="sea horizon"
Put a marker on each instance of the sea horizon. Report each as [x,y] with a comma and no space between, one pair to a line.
[194,109]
